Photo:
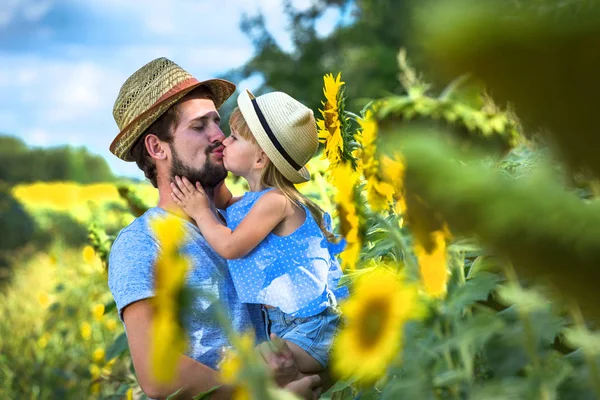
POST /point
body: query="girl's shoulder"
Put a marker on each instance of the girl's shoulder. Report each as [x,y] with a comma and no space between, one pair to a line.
[269,199]
[272,197]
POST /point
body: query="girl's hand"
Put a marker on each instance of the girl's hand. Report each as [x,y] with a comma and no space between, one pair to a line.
[191,198]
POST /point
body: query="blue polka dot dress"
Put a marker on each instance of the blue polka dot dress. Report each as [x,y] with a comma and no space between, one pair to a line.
[298,273]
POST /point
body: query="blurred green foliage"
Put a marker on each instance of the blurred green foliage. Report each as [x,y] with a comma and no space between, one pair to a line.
[363,44]
[17,225]
[21,163]
[540,56]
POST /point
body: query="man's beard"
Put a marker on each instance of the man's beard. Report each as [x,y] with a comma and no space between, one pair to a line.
[209,176]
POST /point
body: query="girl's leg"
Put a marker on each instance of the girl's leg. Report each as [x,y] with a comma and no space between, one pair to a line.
[306,363]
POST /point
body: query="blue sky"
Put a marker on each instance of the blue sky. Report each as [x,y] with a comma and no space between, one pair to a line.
[62,62]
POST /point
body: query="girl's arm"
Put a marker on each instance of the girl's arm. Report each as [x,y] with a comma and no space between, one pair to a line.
[264,216]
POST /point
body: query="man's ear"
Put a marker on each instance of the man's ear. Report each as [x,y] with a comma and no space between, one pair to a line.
[156,148]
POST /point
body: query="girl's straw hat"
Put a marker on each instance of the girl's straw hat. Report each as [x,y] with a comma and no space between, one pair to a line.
[148,93]
[284,128]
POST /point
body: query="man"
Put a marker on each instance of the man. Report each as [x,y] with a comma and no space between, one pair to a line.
[170,126]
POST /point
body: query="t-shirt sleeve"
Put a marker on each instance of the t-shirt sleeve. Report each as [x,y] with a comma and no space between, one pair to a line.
[131,268]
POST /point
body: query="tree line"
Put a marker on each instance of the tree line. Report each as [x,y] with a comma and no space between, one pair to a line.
[22,163]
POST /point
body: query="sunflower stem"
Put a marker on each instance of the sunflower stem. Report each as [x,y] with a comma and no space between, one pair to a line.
[448,358]
[575,312]
[400,243]
[529,334]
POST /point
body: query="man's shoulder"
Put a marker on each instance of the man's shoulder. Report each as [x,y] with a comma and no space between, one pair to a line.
[137,236]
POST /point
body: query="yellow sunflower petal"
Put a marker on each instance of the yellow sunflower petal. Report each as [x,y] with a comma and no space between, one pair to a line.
[381,303]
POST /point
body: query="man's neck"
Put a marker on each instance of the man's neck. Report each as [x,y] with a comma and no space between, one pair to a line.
[166,202]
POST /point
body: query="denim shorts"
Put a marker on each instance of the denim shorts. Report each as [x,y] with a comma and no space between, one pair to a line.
[312,334]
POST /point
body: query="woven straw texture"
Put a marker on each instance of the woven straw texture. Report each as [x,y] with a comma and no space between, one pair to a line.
[292,123]
[148,93]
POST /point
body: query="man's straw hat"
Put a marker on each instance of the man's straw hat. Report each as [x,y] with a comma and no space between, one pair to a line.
[149,92]
[284,128]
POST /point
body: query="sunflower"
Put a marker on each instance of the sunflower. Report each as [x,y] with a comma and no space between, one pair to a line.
[381,303]
[393,169]
[330,127]
[332,88]
[345,179]
[379,192]
[331,135]
[433,265]
[168,337]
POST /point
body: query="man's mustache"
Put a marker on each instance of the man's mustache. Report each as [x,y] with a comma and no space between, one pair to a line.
[213,146]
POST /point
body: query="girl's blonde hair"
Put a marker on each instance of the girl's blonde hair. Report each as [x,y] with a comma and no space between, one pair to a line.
[271,177]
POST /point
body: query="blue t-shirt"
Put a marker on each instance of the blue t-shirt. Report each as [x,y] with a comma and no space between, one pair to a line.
[131,278]
[297,273]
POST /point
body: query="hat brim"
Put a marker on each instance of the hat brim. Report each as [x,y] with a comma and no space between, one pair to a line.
[121,145]
[244,101]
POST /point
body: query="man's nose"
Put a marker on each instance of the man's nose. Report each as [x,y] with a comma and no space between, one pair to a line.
[217,135]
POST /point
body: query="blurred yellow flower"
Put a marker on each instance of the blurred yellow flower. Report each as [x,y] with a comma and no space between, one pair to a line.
[329,127]
[230,367]
[44,299]
[168,339]
[95,375]
[89,255]
[111,324]
[98,355]
[98,311]
[43,340]
[282,394]
[393,172]
[379,193]
[129,394]
[345,180]
[380,304]
[232,364]
[86,330]
[94,371]
[106,370]
[169,232]
[433,265]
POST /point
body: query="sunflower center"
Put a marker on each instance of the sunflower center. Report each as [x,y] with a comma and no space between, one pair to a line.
[344,223]
[374,319]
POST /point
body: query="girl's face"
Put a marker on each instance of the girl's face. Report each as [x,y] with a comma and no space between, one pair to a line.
[240,155]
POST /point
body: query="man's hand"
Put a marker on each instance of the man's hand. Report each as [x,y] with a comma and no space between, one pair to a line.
[280,360]
[307,388]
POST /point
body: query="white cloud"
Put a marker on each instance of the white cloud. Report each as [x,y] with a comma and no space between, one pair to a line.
[60,91]
[81,90]
[8,10]
[29,10]
[214,59]
[37,137]
[34,10]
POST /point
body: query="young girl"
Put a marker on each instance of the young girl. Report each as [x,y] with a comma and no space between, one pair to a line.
[278,242]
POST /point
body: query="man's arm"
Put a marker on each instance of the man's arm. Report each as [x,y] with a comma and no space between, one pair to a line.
[191,374]
[223,197]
